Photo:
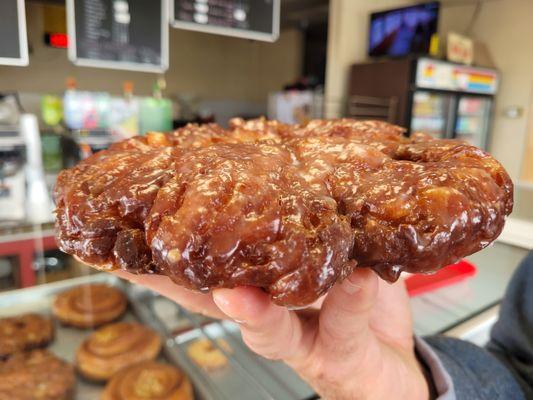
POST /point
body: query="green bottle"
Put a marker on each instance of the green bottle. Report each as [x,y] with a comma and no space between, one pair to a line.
[156,111]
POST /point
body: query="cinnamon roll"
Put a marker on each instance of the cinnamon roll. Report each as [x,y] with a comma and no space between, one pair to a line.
[37,374]
[89,305]
[149,380]
[114,347]
[24,332]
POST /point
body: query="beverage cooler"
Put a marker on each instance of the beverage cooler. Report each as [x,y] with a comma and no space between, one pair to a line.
[443,99]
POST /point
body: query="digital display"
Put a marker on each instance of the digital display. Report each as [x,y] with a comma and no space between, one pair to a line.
[56,40]
[252,19]
[119,34]
[403,31]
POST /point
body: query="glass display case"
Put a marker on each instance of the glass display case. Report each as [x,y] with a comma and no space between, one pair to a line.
[431,113]
[29,256]
[473,116]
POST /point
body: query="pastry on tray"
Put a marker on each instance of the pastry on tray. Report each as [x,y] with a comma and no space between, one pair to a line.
[149,380]
[208,356]
[24,332]
[115,346]
[291,209]
[36,375]
[89,306]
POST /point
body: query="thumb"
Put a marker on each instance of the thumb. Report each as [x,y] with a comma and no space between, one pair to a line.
[346,310]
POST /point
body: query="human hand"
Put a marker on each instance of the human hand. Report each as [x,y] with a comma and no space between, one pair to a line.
[359,345]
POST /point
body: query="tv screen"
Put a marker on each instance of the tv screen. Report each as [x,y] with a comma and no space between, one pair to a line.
[403,31]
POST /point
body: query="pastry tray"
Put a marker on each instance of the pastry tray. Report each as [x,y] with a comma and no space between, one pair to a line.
[39,299]
[245,376]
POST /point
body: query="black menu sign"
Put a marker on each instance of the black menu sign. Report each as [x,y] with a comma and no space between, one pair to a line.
[119,34]
[13,40]
[251,19]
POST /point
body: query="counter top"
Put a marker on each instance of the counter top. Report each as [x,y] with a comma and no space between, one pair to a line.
[444,308]
[10,232]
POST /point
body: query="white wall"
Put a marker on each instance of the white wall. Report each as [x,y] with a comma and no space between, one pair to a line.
[506,28]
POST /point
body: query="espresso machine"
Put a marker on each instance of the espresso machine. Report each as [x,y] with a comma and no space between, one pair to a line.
[24,196]
[12,162]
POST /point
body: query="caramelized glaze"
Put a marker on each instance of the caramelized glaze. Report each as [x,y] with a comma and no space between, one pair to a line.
[290,209]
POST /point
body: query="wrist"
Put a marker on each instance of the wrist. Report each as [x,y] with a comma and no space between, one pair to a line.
[380,372]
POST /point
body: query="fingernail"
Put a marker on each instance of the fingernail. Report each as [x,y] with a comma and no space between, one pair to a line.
[349,287]
[222,298]
[223,303]
[220,301]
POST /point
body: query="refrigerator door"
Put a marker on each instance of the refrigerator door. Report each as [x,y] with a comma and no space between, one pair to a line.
[472,124]
[432,113]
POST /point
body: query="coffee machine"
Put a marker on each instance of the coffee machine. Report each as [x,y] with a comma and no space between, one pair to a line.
[12,162]
[24,196]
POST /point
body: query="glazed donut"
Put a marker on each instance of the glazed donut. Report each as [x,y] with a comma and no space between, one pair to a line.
[24,332]
[37,374]
[115,346]
[89,306]
[206,355]
[291,209]
[149,380]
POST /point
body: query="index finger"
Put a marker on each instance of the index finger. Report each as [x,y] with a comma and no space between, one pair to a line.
[197,302]
[270,330]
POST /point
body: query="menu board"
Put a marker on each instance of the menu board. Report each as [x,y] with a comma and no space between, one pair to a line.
[119,34]
[250,19]
[13,40]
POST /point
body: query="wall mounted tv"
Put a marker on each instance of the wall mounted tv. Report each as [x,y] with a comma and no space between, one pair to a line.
[403,31]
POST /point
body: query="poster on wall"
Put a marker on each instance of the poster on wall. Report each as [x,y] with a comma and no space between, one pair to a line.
[13,36]
[248,19]
[118,34]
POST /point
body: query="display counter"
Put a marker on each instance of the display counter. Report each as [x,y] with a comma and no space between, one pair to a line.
[239,374]
[29,256]
[443,309]
[243,374]
[24,248]
[21,243]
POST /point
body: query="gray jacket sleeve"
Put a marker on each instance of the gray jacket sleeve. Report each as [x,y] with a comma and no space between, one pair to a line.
[461,370]
[466,371]
[512,335]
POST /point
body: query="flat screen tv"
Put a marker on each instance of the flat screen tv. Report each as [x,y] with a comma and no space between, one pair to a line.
[403,31]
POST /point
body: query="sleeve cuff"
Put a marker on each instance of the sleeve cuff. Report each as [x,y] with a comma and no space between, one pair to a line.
[441,378]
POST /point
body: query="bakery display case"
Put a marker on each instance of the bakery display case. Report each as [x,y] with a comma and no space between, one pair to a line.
[209,352]
[29,256]
[142,327]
